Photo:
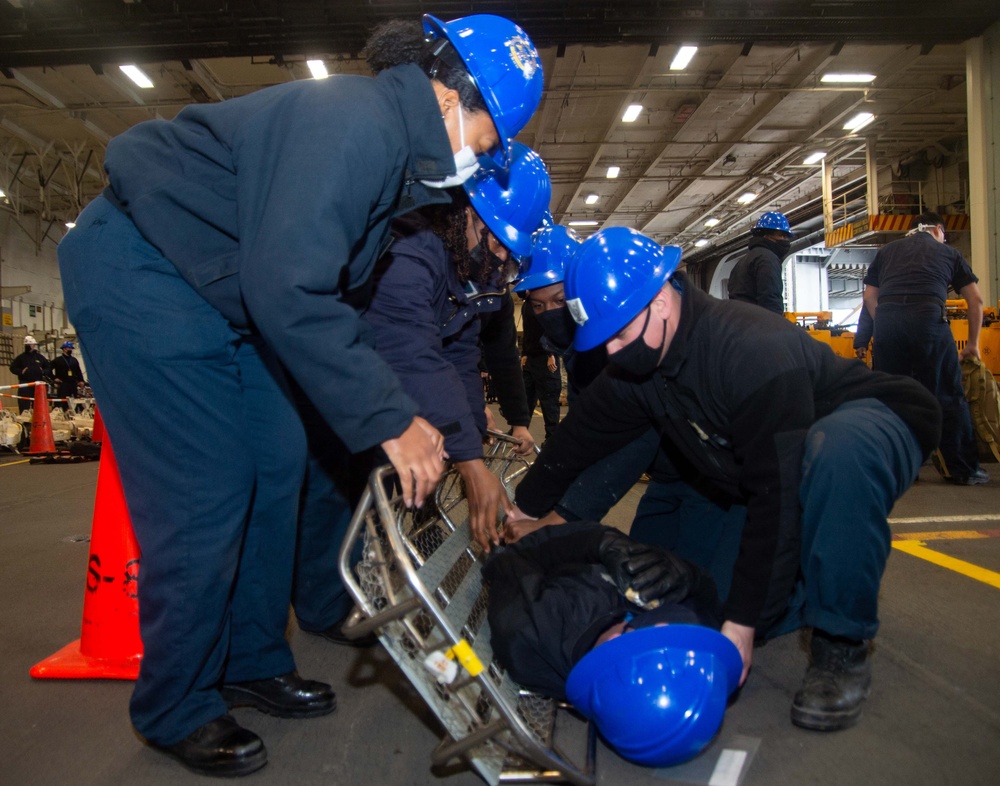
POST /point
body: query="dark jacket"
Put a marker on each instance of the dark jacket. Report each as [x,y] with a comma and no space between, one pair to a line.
[66,368]
[275,207]
[31,367]
[550,598]
[499,343]
[531,333]
[733,399]
[757,277]
[426,329]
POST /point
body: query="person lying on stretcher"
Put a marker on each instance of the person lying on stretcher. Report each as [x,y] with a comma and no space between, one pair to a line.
[560,591]
[576,613]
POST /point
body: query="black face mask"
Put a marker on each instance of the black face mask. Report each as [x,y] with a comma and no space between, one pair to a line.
[484,260]
[780,247]
[558,326]
[637,357]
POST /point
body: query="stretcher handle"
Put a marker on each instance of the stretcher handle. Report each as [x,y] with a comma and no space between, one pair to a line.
[501,437]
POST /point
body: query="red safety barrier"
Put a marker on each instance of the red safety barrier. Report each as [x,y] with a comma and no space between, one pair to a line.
[109,646]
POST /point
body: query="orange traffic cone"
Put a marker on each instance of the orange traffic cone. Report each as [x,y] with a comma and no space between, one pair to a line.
[41,425]
[97,435]
[109,646]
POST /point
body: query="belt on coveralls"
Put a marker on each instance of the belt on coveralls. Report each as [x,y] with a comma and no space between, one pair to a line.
[908,299]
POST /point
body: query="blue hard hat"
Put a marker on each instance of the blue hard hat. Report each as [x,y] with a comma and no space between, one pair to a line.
[657,695]
[67,345]
[551,248]
[612,277]
[502,61]
[512,202]
[772,222]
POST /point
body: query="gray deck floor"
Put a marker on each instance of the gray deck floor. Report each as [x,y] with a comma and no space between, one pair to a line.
[933,718]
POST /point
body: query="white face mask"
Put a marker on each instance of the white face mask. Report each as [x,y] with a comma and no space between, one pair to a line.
[466,161]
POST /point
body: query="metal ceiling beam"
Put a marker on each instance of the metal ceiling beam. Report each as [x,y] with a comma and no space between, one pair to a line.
[834,114]
[109,31]
[609,128]
[761,112]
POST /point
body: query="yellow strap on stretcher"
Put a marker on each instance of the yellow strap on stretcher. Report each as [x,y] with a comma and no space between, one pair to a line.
[463,653]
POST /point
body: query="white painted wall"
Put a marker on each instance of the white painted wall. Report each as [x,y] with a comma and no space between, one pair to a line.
[805,285]
[21,264]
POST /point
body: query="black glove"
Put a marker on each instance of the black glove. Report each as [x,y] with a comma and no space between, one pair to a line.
[651,572]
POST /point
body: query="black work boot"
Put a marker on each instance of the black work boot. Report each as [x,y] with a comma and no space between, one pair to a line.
[836,684]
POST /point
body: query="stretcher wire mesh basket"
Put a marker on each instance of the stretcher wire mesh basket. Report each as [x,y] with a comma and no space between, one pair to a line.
[418,586]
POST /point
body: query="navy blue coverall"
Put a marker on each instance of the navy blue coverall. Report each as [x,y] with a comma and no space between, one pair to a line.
[425,325]
[912,335]
[232,238]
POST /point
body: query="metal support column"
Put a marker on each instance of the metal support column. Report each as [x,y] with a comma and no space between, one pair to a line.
[871,170]
[826,176]
[982,66]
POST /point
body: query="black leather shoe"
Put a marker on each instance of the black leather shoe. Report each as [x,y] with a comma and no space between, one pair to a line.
[221,747]
[335,633]
[836,684]
[285,696]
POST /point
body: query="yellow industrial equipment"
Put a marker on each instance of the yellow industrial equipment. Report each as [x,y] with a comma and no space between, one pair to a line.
[957,312]
[818,324]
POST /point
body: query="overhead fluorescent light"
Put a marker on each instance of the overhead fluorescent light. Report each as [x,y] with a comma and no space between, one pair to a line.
[682,58]
[747,198]
[631,113]
[700,242]
[583,223]
[859,121]
[815,158]
[318,69]
[2,194]
[136,75]
[711,222]
[847,78]
[592,199]
[613,172]
[70,224]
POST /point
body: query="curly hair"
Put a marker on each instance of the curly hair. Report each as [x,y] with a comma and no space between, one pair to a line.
[392,43]
[449,223]
[400,42]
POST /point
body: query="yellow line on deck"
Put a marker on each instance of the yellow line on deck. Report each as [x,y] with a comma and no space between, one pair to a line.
[954,534]
[917,549]
[12,463]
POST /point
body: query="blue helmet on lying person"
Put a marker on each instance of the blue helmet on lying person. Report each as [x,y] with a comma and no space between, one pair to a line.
[658,694]
[512,202]
[612,277]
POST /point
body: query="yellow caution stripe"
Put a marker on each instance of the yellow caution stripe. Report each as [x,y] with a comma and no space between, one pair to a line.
[917,549]
[952,534]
